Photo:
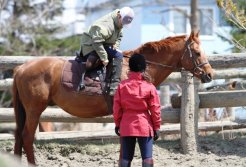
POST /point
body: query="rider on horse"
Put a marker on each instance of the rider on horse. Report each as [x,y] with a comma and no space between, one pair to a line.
[102,41]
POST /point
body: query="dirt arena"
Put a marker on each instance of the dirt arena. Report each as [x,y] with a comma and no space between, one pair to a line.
[214,151]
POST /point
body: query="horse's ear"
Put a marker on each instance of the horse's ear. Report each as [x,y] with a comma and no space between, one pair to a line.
[194,34]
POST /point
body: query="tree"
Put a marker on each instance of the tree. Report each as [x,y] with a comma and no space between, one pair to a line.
[28,27]
[235,13]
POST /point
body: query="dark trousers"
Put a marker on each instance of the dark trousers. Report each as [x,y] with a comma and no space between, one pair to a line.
[112,53]
[128,147]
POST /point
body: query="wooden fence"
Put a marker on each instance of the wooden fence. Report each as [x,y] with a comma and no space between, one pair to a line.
[104,134]
[217,61]
[174,77]
[168,114]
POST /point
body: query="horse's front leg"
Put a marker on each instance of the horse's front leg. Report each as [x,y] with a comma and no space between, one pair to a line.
[28,135]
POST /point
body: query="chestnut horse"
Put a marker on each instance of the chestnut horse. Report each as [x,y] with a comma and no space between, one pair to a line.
[37,84]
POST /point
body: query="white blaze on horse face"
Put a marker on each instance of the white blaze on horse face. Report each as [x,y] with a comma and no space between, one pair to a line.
[202,54]
[201,50]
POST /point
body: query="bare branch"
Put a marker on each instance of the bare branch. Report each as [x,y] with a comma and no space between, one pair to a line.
[232,13]
[230,39]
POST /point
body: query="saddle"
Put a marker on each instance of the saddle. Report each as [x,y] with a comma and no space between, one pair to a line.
[94,80]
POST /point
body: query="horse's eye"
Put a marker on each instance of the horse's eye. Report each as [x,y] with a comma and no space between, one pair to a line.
[198,54]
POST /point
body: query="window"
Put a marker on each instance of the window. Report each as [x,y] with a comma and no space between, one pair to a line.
[206,17]
[152,15]
[222,19]
[179,22]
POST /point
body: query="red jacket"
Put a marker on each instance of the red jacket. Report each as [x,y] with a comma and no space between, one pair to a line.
[136,107]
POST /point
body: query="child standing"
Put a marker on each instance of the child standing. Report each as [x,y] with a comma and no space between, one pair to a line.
[136,114]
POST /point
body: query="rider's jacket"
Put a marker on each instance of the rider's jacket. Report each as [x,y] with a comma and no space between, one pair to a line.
[106,31]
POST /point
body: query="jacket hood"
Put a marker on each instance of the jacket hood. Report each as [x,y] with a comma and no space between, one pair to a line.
[115,18]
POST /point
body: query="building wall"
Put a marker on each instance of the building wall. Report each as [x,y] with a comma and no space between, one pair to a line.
[157,21]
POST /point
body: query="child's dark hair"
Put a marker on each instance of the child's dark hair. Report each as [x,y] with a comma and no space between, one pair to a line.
[137,63]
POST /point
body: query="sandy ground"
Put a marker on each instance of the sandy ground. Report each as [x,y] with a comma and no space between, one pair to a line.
[214,151]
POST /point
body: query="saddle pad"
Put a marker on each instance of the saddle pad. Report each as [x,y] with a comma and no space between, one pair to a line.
[71,76]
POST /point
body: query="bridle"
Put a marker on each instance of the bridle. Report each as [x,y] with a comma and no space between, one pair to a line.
[193,58]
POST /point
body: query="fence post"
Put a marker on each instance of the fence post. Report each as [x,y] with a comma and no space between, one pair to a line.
[188,115]
[197,85]
[230,113]
[165,95]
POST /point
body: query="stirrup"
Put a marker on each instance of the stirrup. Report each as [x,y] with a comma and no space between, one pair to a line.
[113,87]
[81,87]
[112,92]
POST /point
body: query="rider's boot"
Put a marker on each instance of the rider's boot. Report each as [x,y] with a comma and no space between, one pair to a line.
[79,55]
[91,63]
[116,74]
[82,83]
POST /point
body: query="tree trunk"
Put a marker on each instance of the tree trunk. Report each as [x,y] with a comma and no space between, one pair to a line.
[194,20]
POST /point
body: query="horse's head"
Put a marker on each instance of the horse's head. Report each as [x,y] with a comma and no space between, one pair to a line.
[195,60]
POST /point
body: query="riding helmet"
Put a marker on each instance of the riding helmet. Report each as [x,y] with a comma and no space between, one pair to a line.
[137,63]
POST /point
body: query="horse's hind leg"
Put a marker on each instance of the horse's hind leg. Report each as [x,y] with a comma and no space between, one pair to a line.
[18,143]
[18,133]
[32,120]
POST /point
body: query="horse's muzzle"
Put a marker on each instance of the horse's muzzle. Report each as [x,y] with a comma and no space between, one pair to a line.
[205,78]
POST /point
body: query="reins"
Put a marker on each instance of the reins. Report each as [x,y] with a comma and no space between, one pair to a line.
[158,64]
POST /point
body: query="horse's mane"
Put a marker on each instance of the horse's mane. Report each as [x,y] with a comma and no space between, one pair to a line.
[156,46]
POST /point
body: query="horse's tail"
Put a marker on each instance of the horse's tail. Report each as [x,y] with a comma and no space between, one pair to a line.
[20,118]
